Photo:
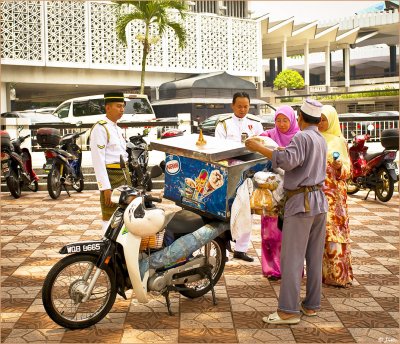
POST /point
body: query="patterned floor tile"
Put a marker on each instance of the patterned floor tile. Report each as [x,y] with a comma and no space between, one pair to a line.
[207,335]
[322,335]
[375,335]
[35,336]
[253,336]
[367,319]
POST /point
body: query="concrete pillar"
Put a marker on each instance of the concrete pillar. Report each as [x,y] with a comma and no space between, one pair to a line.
[393,67]
[5,101]
[307,66]
[347,67]
[284,52]
[327,68]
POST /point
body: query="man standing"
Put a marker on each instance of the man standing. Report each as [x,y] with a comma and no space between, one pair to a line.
[303,234]
[237,127]
[107,145]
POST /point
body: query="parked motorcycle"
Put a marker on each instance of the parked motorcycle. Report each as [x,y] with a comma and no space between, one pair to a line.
[63,164]
[138,159]
[143,249]
[376,171]
[16,165]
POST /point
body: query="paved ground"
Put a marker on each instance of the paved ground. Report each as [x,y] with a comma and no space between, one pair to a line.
[34,227]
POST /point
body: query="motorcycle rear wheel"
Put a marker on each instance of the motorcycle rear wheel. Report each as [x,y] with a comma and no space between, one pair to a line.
[14,184]
[54,182]
[61,292]
[78,185]
[202,287]
[352,188]
[384,185]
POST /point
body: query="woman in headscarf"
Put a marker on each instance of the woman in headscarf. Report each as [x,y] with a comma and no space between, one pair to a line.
[336,267]
[271,237]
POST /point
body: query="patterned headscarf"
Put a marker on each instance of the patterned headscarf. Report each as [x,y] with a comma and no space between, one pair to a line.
[283,139]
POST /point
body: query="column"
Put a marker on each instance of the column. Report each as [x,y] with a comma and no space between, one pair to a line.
[272,71]
[327,68]
[347,67]
[5,101]
[307,66]
[284,52]
[279,60]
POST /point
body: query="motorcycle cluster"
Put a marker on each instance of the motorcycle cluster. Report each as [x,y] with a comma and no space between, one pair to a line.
[63,162]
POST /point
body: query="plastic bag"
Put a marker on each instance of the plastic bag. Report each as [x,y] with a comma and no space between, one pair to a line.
[261,201]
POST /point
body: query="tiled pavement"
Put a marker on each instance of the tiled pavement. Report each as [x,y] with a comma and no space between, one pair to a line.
[34,227]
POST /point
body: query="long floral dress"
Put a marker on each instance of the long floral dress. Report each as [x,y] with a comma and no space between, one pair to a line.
[336,267]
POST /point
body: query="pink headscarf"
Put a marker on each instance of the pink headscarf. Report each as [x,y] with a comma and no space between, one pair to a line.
[283,139]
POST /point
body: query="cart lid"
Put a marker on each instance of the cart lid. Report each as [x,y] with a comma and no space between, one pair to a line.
[214,150]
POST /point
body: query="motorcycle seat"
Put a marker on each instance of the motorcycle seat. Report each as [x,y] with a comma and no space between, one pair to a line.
[184,222]
[369,157]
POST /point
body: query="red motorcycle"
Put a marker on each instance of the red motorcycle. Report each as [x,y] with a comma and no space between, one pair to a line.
[376,171]
[16,165]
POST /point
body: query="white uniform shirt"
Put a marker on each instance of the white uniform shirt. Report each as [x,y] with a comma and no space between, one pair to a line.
[235,126]
[106,150]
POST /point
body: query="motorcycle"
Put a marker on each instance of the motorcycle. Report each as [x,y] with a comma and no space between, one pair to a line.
[376,171]
[63,164]
[138,159]
[16,165]
[143,249]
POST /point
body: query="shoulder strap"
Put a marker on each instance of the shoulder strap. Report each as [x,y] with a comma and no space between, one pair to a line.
[223,121]
[103,124]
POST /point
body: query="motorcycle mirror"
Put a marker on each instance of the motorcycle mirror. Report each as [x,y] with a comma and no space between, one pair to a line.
[370,127]
[156,171]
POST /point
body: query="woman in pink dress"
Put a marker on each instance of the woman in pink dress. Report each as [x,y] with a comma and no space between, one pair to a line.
[271,237]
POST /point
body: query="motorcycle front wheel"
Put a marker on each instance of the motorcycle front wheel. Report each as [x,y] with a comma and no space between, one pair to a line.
[54,182]
[64,287]
[352,188]
[78,184]
[384,185]
[14,184]
[202,287]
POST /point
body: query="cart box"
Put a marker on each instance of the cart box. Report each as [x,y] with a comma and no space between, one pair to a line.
[390,139]
[48,137]
[205,179]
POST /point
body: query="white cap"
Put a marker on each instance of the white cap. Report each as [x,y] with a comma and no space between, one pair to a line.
[312,108]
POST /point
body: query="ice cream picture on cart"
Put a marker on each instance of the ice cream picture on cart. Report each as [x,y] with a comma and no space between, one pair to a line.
[203,185]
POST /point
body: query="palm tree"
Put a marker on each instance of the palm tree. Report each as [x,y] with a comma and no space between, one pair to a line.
[153,12]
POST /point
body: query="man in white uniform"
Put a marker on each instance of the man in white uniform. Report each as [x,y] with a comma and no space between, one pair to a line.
[107,144]
[238,127]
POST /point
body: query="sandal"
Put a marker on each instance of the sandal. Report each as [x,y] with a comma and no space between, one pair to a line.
[274,318]
[307,312]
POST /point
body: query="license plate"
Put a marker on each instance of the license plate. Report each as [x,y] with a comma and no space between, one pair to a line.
[391,165]
[4,167]
[48,167]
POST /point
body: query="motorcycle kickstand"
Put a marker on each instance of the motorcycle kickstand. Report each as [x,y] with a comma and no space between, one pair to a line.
[65,188]
[209,275]
[168,301]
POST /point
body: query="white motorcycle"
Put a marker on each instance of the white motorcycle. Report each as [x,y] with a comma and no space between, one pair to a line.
[143,249]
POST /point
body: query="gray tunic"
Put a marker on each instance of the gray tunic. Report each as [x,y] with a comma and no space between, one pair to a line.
[304,162]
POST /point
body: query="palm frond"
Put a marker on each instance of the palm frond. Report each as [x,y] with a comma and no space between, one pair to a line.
[180,32]
[122,23]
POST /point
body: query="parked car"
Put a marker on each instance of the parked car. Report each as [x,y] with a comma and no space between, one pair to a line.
[210,123]
[35,117]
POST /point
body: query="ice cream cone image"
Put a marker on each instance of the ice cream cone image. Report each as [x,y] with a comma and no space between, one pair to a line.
[201,182]
[214,182]
[190,187]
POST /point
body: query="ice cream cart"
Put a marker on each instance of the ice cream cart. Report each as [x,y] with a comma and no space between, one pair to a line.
[204,178]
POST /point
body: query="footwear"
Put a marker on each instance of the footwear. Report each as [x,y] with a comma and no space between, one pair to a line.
[274,318]
[243,256]
[307,312]
[273,278]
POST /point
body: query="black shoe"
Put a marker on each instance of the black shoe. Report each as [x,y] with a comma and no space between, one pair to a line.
[228,246]
[243,256]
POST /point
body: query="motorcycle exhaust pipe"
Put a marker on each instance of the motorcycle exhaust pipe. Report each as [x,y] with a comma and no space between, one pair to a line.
[184,246]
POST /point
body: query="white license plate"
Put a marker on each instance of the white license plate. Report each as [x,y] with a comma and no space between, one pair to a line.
[48,167]
[391,165]
[4,167]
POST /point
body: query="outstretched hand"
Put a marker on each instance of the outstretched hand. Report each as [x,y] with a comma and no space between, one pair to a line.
[253,145]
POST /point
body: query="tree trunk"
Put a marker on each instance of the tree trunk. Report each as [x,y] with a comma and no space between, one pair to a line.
[146,49]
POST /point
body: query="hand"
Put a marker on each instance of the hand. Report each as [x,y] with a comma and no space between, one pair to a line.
[253,145]
[107,198]
[337,164]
